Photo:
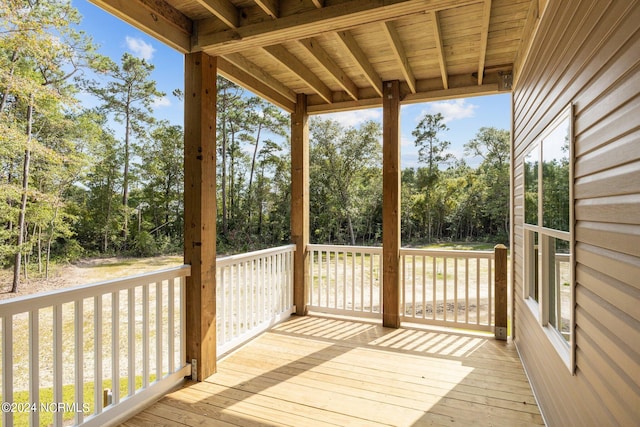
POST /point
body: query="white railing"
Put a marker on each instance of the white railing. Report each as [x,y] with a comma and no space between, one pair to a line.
[345,280]
[91,354]
[254,291]
[438,287]
[448,288]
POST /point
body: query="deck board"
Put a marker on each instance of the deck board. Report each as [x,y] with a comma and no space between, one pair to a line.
[318,371]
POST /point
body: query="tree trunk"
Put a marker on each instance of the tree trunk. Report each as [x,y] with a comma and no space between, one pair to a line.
[260,200]
[105,242]
[224,176]
[253,165]
[125,177]
[40,250]
[50,240]
[23,201]
[232,172]
[352,237]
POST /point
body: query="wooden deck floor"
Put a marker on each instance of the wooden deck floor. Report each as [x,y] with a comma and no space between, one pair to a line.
[321,371]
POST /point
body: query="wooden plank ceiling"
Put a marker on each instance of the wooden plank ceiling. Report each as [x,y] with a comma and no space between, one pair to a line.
[339,52]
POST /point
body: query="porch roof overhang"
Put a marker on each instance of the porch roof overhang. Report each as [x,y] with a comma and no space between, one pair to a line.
[338,52]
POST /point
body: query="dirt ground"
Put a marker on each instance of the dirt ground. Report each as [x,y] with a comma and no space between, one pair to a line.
[84,272]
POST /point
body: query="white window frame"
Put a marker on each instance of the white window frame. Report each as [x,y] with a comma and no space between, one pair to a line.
[540,308]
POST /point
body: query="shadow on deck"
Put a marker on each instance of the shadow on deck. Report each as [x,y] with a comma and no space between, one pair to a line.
[325,371]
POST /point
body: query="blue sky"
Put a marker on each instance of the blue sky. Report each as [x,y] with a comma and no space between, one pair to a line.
[463,117]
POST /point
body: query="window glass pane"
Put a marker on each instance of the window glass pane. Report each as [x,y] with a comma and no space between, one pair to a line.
[531,187]
[533,261]
[560,288]
[555,178]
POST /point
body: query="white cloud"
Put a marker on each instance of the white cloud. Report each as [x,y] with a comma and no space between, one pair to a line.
[451,110]
[161,101]
[354,118]
[406,141]
[140,48]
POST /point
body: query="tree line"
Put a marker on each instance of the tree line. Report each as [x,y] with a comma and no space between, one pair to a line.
[73,187]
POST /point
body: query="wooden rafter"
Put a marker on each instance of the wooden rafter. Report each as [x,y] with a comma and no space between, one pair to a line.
[440,48]
[318,3]
[287,59]
[155,17]
[270,7]
[484,36]
[173,16]
[223,10]
[530,28]
[324,60]
[315,22]
[243,78]
[360,59]
[398,51]
[252,69]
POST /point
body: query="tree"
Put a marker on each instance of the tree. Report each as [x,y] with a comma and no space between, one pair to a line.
[262,118]
[274,192]
[433,151]
[341,164]
[162,172]
[493,146]
[39,55]
[101,211]
[66,139]
[129,97]
[230,110]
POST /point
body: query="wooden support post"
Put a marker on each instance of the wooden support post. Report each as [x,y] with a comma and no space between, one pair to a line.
[200,210]
[500,280]
[300,202]
[391,204]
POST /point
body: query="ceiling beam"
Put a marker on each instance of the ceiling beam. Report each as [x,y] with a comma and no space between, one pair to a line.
[155,17]
[247,66]
[270,7]
[453,92]
[484,37]
[223,10]
[314,22]
[360,59]
[440,48]
[281,54]
[427,91]
[324,60]
[318,3]
[248,81]
[398,51]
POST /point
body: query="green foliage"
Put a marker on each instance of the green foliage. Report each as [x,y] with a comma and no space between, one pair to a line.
[144,244]
[345,182]
[42,59]
[128,97]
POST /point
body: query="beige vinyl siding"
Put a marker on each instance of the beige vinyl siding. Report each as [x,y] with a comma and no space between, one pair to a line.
[588,53]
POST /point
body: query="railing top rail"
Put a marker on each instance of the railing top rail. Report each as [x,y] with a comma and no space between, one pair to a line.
[345,248]
[28,303]
[232,259]
[449,253]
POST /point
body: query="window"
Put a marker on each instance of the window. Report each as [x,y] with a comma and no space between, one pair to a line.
[548,233]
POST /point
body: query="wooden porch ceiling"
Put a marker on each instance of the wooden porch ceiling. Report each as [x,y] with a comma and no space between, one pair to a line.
[338,52]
